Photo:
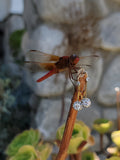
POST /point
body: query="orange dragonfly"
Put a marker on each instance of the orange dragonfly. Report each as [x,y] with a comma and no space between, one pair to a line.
[55,64]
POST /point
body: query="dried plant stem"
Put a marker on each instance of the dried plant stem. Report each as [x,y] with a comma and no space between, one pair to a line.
[79,154]
[63,99]
[78,94]
[118,109]
[75,156]
[72,157]
[101,142]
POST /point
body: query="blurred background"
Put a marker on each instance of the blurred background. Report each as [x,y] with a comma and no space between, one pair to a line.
[59,27]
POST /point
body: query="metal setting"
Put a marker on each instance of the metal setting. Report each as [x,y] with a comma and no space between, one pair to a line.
[87,79]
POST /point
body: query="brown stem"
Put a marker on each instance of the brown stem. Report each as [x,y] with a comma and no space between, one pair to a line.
[78,94]
[63,99]
[72,157]
[81,146]
[118,109]
[101,142]
[78,156]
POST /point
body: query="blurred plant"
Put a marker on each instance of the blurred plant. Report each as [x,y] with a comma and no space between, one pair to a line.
[44,150]
[14,95]
[102,126]
[117,89]
[26,146]
[116,139]
[113,158]
[26,152]
[6,97]
[7,86]
[15,39]
[88,155]
[80,140]
[15,44]
[28,137]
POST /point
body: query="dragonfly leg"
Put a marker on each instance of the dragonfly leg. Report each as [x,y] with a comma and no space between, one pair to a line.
[71,77]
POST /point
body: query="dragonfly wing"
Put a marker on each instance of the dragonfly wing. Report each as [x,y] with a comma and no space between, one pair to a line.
[40,57]
[35,67]
[87,61]
[48,66]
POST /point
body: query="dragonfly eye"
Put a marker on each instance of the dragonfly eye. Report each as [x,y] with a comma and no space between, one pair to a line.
[74,59]
[73,56]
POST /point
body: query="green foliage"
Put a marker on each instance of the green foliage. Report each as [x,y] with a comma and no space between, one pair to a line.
[15,45]
[1,87]
[15,39]
[87,155]
[26,152]
[113,158]
[81,133]
[26,146]
[115,151]
[10,119]
[102,125]
[116,138]
[44,150]
[28,137]
[6,97]
[7,86]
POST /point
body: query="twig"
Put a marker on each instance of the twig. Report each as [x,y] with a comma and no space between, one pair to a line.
[101,142]
[78,155]
[78,95]
[63,99]
[118,109]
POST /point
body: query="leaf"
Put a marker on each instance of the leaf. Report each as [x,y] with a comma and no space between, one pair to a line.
[102,125]
[44,151]
[116,137]
[81,133]
[28,137]
[15,39]
[87,155]
[113,158]
[27,152]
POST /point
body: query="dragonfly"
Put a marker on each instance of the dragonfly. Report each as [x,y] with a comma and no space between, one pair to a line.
[55,64]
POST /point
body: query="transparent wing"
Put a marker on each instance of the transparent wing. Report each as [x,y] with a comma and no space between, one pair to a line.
[87,61]
[40,57]
[36,60]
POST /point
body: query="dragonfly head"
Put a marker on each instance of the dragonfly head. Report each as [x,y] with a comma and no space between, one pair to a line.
[74,59]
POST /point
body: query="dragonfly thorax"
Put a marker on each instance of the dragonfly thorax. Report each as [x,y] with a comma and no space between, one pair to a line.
[66,61]
[74,59]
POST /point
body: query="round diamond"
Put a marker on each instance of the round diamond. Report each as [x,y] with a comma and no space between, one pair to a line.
[86,102]
[77,105]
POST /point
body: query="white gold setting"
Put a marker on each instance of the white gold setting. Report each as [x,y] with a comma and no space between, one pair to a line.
[87,79]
